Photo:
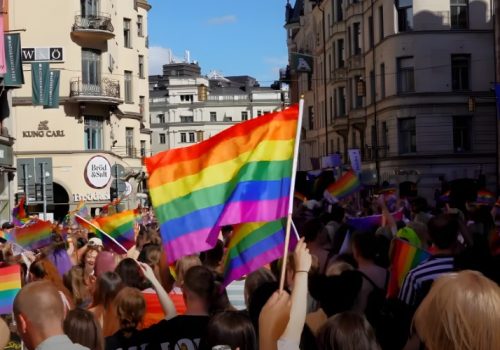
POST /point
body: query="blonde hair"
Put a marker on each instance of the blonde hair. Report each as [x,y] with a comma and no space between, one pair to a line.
[184,264]
[461,311]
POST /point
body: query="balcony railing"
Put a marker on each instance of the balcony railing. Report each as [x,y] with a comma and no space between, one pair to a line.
[100,21]
[107,89]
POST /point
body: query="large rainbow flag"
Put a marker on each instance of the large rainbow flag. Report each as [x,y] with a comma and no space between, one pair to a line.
[120,226]
[34,235]
[108,241]
[10,284]
[243,174]
[345,186]
[404,257]
[254,245]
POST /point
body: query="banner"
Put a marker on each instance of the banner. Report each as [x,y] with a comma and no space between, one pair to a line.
[355,158]
[331,161]
[52,89]
[14,75]
[3,68]
[302,63]
[39,83]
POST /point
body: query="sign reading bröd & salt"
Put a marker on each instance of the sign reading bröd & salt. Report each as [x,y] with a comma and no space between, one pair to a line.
[98,172]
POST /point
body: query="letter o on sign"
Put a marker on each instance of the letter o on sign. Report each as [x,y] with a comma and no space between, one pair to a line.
[98,172]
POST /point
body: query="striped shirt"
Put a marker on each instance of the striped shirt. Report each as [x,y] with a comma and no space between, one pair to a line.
[418,281]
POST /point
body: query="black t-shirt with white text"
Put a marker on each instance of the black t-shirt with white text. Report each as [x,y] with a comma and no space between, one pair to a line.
[180,333]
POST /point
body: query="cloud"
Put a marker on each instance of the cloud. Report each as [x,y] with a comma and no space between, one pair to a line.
[158,56]
[221,20]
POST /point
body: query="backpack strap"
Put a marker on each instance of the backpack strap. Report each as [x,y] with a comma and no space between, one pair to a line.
[369,280]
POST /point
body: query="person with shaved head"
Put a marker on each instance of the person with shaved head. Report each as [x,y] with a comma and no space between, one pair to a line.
[39,315]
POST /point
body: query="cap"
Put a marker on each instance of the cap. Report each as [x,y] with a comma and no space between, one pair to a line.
[95,242]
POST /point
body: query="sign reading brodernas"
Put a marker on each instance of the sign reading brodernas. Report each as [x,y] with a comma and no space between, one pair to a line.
[44,131]
[98,172]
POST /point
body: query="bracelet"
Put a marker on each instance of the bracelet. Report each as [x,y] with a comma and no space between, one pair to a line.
[301,271]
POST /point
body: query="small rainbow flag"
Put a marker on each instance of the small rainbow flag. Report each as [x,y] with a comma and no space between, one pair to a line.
[34,235]
[242,174]
[343,187]
[485,197]
[120,226]
[366,223]
[19,216]
[108,241]
[10,284]
[404,257]
[254,245]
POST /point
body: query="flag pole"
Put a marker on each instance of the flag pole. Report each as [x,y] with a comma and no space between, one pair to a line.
[292,190]
[102,231]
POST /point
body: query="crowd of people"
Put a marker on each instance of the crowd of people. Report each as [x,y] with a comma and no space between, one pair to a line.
[76,294]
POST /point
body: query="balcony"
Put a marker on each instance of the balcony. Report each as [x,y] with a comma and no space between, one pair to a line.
[93,27]
[106,92]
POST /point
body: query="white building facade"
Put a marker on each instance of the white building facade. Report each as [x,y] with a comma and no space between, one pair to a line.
[407,82]
[186,107]
[92,144]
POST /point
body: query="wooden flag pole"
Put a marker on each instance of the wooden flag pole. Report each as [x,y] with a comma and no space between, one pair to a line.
[292,191]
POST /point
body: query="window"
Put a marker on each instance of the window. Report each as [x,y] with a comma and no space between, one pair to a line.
[405,15]
[199,135]
[259,113]
[128,87]
[331,111]
[340,53]
[191,137]
[127,40]
[356,96]
[163,139]
[311,117]
[141,66]
[407,136]
[140,26]
[188,119]
[385,139]
[161,118]
[381,23]
[356,38]
[459,13]
[382,80]
[91,71]
[342,110]
[371,35]
[340,10]
[460,72]
[186,98]
[405,75]
[213,116]
[462,133]
[372,86]
[143,148]
[142,101]
[244,115]
[129,142]
[93,133]
[354,141]
[89,8]
[183,137]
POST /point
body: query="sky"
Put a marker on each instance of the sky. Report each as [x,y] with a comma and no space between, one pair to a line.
[234,37]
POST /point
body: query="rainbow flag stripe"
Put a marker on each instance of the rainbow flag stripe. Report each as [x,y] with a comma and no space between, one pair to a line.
[371,222]
[404,258]
[108,241]
[19,216]
[345,186]
[120,226]
[252,246]
[34,235]
[242,174]
[10,284]
[485,197]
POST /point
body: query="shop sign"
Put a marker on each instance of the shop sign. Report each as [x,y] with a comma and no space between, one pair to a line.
[91,197]
[43,131]
[98,172]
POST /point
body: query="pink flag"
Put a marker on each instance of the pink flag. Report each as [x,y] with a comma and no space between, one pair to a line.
[3,66]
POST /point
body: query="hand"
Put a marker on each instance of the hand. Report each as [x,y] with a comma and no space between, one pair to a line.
[147,271]
[274,316]
[303,259]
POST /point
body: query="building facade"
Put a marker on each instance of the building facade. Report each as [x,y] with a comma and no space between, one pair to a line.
[408,83]
[90,146]
[187,107]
